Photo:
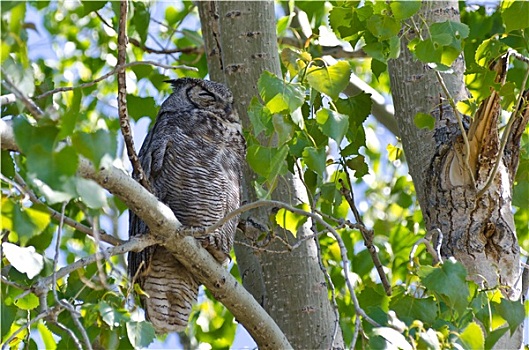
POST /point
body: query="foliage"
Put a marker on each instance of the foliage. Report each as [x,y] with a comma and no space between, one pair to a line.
[320,132]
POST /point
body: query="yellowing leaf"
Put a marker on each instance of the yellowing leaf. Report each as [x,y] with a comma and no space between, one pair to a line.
[291,221]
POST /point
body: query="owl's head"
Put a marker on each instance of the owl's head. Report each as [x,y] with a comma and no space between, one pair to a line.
[203,94]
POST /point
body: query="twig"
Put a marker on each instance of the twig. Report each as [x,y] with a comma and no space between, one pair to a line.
[358,327]
[186,50]
[341,245]
[23,188]
[12,284]
[366,234]
[37,318]
[507,131]
[70,333]
[111,73]
[30,105]
[124,124]
[75,315]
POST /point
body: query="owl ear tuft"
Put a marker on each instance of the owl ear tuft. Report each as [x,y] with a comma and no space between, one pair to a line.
[177,84]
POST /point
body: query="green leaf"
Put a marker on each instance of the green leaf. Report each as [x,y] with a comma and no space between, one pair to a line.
[25,222]
[141,20]
[139,107]
[259,115]
[316,160]
[394,339]
[512,311]
[279,95]
[356,107]
[488,51]
[472,337]
[284,128]
[515,14]
[267,162]
[24,259]
[28,302]
[404,9]
[140,334]
[47,336]
[428,51]
[330,80]
[69,118]
[447,281]
[333,124]
[92,5]
[424,120]
[344,21]
[21,77]
[359,165]
[93,195]
[96,145]
[7,165]
[383,27]
[493,337]
[409,309]
[291,221]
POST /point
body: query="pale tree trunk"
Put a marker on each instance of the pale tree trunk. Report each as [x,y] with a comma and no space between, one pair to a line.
[241,44]
[475,219]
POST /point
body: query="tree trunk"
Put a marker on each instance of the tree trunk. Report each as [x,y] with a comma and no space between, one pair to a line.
[475,219]
[241,44]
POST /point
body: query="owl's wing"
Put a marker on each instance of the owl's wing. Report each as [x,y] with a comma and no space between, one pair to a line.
[151,158]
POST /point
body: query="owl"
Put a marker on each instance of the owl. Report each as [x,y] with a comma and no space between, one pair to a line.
[192,157]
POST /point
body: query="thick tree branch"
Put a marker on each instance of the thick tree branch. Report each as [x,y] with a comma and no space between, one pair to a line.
[165,226]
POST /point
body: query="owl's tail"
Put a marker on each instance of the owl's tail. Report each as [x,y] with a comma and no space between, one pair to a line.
[172,292]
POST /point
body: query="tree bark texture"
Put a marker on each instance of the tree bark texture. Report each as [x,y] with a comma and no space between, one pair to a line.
[474,218]
[290,285]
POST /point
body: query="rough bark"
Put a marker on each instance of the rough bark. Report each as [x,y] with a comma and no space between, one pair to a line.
[475,219]
[291,285]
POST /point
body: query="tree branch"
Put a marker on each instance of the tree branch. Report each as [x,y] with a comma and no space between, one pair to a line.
[116,69]
[23,187]
[124,124]
[368,236]
[164,225]
[186,50]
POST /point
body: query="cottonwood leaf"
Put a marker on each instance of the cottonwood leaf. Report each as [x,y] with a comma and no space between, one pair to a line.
[333,124]
[140,334]
[404,9]
[315,159]
[512,311]
[95,145]
[330,80]
[472,337]
[424,120]
[515,15]
[291,221]
[279,95]
[447,281]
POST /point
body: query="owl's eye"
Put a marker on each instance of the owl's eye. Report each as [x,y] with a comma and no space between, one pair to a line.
[206,96]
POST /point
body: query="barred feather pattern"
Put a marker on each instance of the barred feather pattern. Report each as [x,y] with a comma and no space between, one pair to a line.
[192,157]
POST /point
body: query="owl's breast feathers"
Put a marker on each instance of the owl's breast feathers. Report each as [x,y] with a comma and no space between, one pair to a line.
[193,158]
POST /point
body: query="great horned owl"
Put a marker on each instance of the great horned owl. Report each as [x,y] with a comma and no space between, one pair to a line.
[192,157]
